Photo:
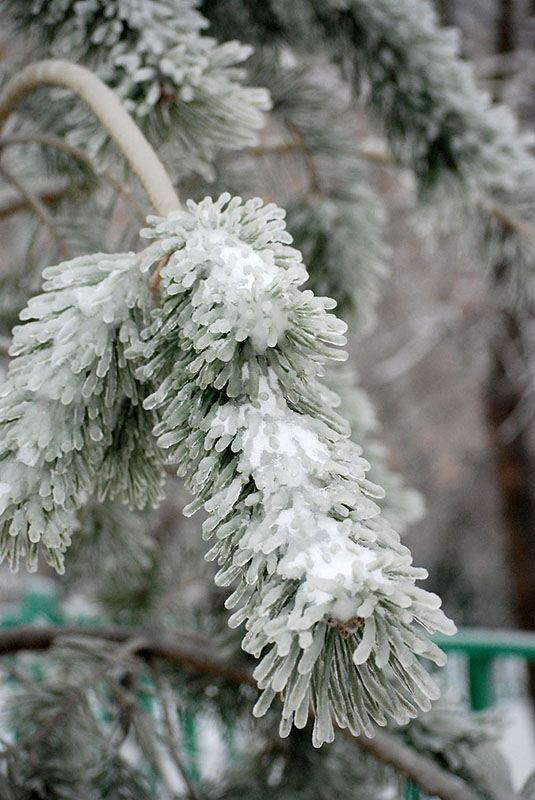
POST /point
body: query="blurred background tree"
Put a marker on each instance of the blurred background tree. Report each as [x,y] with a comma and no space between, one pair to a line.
[390,161]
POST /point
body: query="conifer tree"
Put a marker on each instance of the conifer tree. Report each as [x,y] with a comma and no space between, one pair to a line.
[194,362]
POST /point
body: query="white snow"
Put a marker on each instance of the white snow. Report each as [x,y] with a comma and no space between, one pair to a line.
[238,264]
[5,495]
[280,448]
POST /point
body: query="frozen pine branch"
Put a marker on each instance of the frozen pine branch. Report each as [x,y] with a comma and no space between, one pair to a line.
[473,168]
[460,146]
[468,743]
[233,366]
[324,585]
[71,415]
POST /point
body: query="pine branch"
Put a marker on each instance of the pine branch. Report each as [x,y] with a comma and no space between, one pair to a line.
[419,769]
[323,584]
[112,115]
[195,653]
[72,421]
[185,90]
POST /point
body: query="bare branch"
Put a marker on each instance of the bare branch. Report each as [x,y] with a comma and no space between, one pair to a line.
[110,112]
[47,194]
[196,653]
[183,649]
[39,208]
[80,155]
[419,769]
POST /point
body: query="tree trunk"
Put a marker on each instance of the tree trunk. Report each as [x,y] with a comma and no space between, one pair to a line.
[515,464]
[446,11]
[506,33]
[515,468]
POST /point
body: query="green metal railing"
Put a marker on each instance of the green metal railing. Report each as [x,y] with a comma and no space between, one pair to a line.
[481,647]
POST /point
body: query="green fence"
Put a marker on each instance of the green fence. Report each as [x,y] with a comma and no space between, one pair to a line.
[481,647]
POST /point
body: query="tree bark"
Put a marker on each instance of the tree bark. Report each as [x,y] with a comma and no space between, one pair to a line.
[515,464]
[515,467]
[446,11]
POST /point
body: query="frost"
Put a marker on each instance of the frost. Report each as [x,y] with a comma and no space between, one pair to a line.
[181,84]
[71,411]
[325,588]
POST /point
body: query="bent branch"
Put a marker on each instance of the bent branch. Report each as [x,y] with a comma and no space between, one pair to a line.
[109,111]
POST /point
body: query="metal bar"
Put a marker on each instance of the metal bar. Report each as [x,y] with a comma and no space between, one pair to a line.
[479,681]
[481,642]
[412,792]
[189,732]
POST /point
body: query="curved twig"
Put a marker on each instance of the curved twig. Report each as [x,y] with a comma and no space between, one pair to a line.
[194,652]
[110,112]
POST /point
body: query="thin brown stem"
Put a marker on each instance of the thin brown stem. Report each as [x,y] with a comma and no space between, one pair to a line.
[110,112]
[39,208]
[308,156]
[277,148]
[47,195]
[76,152]
[5,344]
[157,276]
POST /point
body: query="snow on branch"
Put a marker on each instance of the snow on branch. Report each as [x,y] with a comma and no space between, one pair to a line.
[71,414]
[326,589]
[466,152]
